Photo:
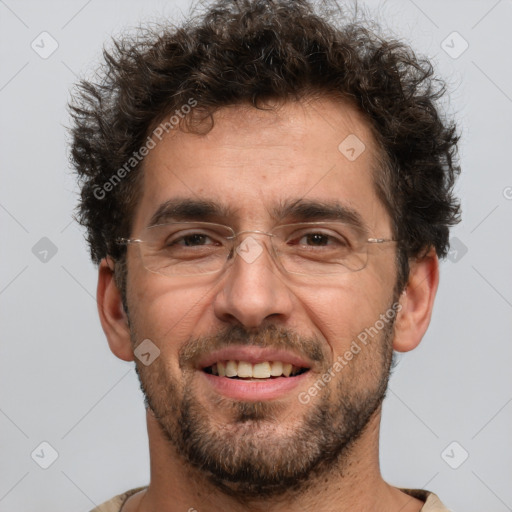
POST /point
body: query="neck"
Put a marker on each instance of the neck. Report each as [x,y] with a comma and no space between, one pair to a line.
[356,484]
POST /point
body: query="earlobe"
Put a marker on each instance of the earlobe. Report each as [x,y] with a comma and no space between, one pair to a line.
[417,302]
[112,315]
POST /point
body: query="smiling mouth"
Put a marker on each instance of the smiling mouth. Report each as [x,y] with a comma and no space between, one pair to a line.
[258,371]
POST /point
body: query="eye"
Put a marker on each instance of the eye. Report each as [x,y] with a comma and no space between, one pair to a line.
[192,240]
[197,239]
[318,239]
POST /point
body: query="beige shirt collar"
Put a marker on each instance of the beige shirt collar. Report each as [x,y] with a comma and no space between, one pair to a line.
[432,502]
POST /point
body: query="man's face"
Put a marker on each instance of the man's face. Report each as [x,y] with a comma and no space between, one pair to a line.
[260,435]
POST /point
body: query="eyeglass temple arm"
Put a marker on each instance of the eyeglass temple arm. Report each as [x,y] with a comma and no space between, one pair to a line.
[380,240]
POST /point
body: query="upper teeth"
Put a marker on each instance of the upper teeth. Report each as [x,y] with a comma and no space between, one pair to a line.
[245,369]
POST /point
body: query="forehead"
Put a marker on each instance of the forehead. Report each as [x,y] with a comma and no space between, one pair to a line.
[253,163]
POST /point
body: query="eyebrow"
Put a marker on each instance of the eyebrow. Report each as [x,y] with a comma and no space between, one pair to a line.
[308,210]
[190,210]
[288,211]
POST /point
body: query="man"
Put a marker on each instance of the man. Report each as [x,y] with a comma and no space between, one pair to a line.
[267,196]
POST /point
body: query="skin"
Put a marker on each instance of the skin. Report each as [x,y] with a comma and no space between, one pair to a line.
[251,160]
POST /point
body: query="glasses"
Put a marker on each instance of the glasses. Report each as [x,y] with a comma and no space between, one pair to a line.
[198,248]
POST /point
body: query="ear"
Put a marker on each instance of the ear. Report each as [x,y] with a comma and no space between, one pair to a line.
[417,301]
[112,315]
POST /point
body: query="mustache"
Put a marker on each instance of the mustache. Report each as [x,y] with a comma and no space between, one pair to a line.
[269,336]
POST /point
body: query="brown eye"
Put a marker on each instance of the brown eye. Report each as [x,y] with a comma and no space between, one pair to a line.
[320,239]
[316,239]
[193,240]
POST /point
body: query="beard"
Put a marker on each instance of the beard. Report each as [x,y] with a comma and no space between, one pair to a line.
[258,454]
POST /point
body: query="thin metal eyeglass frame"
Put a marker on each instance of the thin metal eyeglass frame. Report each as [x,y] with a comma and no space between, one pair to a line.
[128,241]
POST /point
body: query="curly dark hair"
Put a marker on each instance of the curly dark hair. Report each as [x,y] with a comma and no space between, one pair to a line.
[250,51]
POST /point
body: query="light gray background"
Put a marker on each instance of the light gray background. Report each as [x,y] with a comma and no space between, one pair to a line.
[59,382]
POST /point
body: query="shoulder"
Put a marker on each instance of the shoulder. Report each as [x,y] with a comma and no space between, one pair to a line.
[432,502]
[115,504]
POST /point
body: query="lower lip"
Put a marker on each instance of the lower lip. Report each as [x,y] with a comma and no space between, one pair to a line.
[268,389]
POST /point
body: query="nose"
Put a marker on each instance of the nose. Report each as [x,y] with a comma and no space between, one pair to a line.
[254,289]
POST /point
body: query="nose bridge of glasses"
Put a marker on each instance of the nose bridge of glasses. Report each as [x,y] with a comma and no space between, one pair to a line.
[252,231]
[248,248]
[241,238]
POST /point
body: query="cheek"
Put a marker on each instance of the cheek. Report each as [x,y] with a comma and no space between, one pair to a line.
[341,311]
[167,313]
